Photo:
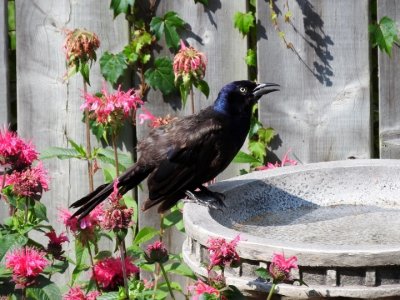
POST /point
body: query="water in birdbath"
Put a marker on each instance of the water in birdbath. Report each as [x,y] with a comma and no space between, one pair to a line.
[329,225]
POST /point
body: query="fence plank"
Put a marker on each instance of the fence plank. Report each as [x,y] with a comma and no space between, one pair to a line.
[323,109]
[389,89]
[4,79]
[48,107]
[213,34]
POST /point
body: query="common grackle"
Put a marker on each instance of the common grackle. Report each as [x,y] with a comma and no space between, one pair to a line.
[179,157]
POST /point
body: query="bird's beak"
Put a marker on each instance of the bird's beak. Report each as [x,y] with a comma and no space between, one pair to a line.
[265,88]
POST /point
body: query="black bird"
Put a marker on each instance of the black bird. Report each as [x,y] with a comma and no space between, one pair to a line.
[179,157]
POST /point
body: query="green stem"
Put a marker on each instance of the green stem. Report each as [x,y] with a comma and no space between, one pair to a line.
[92,264]
[167,280]
[192,98]
[271,291]
[114,144]
[124,273]
[88,144]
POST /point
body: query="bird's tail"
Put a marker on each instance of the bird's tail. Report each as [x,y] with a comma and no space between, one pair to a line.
[131,178]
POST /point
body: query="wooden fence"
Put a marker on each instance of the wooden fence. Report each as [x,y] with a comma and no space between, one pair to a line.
[323,111]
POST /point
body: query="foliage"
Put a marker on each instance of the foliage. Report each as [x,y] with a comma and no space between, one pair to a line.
[384,34]
[243,22]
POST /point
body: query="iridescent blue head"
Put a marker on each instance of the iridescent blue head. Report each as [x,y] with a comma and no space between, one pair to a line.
[238,97]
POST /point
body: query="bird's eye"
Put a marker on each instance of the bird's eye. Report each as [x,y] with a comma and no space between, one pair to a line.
[243,90]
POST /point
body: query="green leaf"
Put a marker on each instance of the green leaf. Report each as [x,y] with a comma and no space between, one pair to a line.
[61,153]
[180,269]
[169,24]
[384,34]
[103,254]
[11,241]
[251,58]
[84,69]
[108,296]
[44,289]
[203,87]
[172,218]
[81,254]
[204,2]
[265,135]
[161,76]
[57,267]
[121,6]
[243,22]
[112,66]
[257,149]
[106,155]
[79,148]
[145,234]
[40,211]
[157,27]
[263,273]
[245,158]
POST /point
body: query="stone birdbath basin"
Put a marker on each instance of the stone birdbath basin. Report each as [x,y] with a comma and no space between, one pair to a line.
[341,219]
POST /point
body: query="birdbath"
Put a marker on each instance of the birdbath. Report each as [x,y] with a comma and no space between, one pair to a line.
[341,219]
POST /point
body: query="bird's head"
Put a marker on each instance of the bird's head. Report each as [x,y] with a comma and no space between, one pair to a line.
[238,97]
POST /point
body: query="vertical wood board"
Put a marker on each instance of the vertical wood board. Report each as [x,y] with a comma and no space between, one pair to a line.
[212,33]
[4,79]
[48,107]
[389,89]
[323,109]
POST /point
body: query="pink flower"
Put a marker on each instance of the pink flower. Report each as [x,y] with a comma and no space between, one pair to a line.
[80,47]
[154,121]
[115,195]
[30,182]
[145,115]
[111,109]
[223,253]
[156,252]
[54,246]
[88,223]
[14,151]
[26,264]
[108,272]
[280,267]
[76,293]
[200,288]
[189,62]
[284,162]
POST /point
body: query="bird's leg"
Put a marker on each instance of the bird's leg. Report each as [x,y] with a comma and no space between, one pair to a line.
[206,197]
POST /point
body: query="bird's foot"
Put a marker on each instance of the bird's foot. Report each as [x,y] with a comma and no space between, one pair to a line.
[207,198]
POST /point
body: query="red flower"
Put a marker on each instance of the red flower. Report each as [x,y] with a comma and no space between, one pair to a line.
[189,62]
[201,288]
[108,272]
[156,252]
[15,152]
[223,253]
[280,267]
[76,293]
[111,109]
[54,247]
[30,182]
[26,264]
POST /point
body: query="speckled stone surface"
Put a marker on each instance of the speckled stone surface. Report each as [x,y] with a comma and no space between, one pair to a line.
[341,219]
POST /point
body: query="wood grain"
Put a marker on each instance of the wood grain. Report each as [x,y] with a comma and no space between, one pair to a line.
[4,78]
[48,107]
[323,109]
[389,89]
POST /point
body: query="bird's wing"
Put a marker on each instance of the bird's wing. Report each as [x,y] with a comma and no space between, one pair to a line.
[190,162]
